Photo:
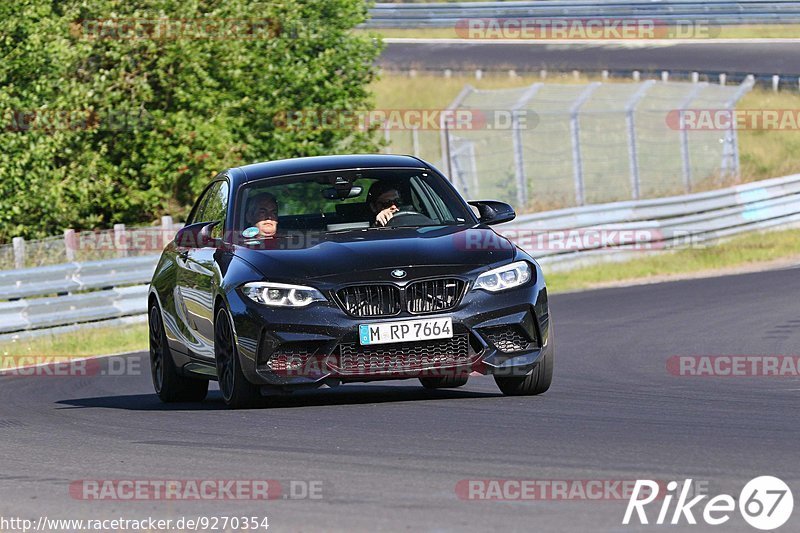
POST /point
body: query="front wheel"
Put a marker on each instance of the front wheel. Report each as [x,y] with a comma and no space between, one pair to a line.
[237,392]
[537,382]
[169,385]
[445,382]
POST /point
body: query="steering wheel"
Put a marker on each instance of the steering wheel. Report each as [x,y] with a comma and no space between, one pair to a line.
[408,218]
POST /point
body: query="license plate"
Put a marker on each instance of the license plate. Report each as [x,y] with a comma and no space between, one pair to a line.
[405,331]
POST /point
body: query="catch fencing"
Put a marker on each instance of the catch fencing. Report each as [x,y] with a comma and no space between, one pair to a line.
[549,145]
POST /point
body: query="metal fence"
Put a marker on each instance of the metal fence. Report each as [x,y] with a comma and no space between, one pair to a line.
[85,246]
[440,15]
[550,146]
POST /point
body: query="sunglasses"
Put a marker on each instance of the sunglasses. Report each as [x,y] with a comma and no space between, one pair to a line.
[385,204]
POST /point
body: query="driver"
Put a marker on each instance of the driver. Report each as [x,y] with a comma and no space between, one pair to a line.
[262,213]
[383,199]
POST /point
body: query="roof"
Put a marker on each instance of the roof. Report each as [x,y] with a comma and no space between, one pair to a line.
[284,167]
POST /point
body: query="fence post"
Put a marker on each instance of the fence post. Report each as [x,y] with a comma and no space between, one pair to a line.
[387,136]
[120,240]
[730,149]
[70,244]
[19,252]
[687,168]
[516,139]
[575,133]
[167,230]
[415,141]
[444,133]
[474,163]
[633,154]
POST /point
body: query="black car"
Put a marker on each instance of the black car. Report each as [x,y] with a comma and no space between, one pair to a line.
[327,270]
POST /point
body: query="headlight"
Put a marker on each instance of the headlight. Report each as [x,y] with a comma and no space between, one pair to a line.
[281,295]
[505,277]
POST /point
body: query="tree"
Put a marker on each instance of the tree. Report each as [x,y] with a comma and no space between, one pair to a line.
[120,111]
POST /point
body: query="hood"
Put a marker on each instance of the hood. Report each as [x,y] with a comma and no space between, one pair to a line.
[420,251]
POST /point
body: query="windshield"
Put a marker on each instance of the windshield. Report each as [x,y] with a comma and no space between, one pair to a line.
[345,201]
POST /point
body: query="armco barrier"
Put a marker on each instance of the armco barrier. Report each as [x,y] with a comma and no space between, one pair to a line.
[112,289]
[76,277]
[442,15]
[672,222]
[53,311]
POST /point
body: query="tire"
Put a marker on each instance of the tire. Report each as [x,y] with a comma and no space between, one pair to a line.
[445,382]
[169,385]
[237,392]
[537,382]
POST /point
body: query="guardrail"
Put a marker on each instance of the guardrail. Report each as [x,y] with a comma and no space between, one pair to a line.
[656,224]
[113,289]
[83,292]
[439,15]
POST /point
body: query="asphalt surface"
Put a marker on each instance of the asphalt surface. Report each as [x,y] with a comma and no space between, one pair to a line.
[389,456]
[761,59]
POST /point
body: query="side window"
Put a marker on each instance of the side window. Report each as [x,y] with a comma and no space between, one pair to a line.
[197,213]
[217,208]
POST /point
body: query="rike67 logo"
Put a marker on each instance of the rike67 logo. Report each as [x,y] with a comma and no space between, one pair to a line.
[766,503]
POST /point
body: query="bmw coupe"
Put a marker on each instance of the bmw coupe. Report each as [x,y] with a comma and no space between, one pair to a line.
[330,270]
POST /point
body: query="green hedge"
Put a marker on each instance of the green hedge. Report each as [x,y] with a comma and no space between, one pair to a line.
[108,119]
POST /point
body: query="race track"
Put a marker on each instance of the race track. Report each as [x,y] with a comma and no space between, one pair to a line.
[761,59]
[390,455]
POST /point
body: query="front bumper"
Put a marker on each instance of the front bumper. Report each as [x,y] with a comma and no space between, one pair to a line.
[504,333]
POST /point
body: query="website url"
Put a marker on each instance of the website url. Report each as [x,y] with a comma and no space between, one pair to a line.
[197,523]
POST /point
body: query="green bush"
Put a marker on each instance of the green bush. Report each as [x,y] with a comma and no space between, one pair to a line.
[105,124]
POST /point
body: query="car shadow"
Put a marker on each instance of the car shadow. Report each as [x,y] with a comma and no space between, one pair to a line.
[343,395]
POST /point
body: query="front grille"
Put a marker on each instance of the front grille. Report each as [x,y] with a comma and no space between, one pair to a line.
[370,300]
[427,296]
[431,296]
[508,339]
[354,359]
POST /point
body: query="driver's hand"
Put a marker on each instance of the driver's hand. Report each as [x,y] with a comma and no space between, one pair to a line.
[385,216]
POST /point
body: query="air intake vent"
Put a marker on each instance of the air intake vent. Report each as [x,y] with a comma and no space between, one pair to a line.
[434,295]
[370,300]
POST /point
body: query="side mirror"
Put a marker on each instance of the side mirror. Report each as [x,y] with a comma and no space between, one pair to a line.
[492,212]
[197,236]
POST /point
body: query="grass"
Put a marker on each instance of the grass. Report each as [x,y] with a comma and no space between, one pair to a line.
[743,31]
[756,249]
[75,344]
